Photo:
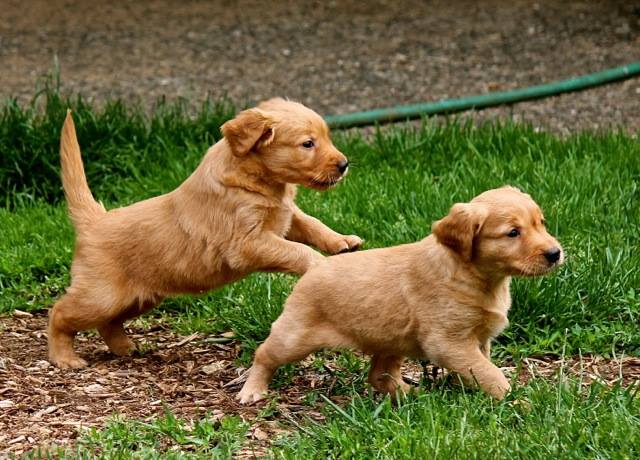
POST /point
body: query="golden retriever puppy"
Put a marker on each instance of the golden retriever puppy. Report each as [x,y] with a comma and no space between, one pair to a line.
[234,215]
[443,298]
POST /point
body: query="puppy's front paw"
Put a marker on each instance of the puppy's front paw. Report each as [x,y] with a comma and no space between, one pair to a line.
[346,243]
[404,388]
[250,394]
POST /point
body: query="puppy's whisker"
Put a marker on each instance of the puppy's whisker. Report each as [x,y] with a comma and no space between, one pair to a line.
[323,179]
[320,177]
[533,266]
[529,267]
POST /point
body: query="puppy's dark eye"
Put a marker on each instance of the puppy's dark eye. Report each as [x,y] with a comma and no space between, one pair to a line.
[513,233]
[308,144]
[543,222]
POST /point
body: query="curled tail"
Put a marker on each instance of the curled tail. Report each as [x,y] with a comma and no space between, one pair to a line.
[83,208]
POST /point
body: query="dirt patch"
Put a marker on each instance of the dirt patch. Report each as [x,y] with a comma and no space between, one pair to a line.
[191,375]
[335,56]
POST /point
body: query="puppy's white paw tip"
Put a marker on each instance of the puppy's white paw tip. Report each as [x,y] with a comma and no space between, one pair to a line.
[250,397]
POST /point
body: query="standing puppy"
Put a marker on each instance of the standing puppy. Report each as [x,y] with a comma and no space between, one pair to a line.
[443,298]
[234,215]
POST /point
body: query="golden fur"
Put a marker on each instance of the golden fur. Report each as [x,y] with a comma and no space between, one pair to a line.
[234,215]
[443,298]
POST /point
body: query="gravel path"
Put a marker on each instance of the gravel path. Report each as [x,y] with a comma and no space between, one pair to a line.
[335,56]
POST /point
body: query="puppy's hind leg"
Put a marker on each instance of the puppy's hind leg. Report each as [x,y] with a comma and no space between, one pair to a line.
[276,351]
[385,375]
[68,316]
[116,338]
[113,331]
[288,342]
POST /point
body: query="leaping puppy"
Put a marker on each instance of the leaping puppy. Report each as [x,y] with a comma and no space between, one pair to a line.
[233,216]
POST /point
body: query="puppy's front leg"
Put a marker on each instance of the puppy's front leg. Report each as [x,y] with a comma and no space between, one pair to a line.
[485,348]
[309,230]
[269,252]
[474,367]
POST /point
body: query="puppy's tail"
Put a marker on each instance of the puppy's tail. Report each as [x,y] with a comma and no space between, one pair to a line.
[83,208]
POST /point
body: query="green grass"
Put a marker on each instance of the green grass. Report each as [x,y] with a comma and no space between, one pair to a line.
[128,155]
[165,437]
[401,180]
[545,421]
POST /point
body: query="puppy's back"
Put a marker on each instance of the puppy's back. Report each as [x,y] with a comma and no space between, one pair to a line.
[368,296]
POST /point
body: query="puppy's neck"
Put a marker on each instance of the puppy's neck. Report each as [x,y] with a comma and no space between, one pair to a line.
[494,287]
[247,173]
[493,282]
[477,278]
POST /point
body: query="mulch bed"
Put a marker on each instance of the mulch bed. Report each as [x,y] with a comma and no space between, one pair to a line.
[191,375]
[40,404]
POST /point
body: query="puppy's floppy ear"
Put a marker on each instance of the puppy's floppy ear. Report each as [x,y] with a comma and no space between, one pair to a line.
[459,228]
[248,129]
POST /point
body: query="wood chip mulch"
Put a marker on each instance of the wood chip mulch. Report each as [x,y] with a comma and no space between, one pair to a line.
[191,375]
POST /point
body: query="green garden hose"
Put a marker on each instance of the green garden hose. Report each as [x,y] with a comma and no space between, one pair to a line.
[407,112]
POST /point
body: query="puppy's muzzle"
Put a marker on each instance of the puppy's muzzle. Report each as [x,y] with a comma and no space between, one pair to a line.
[342,166]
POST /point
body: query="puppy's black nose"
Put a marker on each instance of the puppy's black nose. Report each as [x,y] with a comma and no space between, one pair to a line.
[342,166]
[553,255]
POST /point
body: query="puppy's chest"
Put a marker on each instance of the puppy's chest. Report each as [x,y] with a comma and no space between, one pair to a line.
[493,319]
[493,323]
[277,219]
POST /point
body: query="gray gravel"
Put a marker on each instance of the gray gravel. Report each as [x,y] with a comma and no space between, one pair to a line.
[334,56]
